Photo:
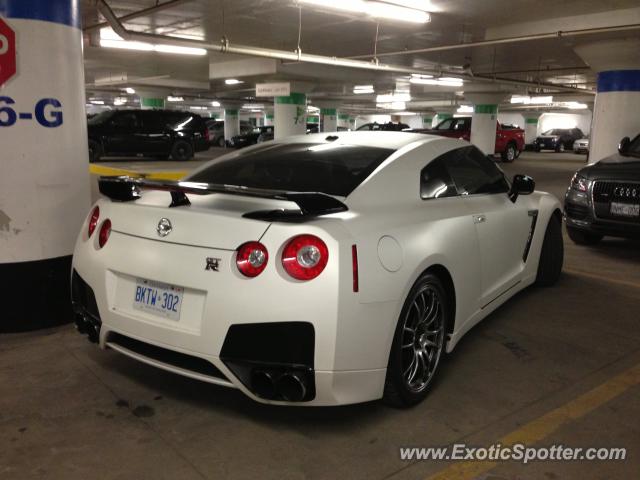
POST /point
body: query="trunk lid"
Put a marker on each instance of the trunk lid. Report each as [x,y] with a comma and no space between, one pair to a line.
[211,221]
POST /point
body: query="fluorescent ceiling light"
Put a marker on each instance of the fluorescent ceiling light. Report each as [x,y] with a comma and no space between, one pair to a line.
[118,101]
[233,81]
[110,39]
[576,105]
[130,90]
[526,100]
[442,81]
[392,105]
[394,97]
[465,109]
[215,104]
[363,89]
[252,106]
[374,9]
[97,102]
[196,107]
[424,5]
[404,114]
[174,99]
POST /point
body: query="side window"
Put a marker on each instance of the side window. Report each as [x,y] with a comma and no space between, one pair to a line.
[463,124]
[152,120]
[474,173]
[435,181]
[125,120]
[445,124]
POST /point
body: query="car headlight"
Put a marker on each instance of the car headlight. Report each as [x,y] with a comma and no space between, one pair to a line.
[579,183]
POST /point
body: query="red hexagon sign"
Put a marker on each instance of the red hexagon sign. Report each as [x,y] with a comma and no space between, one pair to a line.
[7,52]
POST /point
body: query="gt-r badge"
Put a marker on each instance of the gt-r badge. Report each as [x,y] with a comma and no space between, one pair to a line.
[164,227]
[212,264]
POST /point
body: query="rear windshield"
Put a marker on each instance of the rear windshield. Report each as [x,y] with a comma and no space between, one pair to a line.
[334,169]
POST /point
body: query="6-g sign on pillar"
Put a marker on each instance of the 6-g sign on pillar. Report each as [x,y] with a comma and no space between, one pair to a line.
[7,52]
[44,178]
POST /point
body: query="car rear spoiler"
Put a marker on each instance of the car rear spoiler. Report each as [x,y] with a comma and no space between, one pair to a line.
[126,189]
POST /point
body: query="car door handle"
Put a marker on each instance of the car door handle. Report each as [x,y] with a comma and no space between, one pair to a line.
[479,218]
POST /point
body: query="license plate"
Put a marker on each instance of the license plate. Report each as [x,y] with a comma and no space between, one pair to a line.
[625,209]
[158,298]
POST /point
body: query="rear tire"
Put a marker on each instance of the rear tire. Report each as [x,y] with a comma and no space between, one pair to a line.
[510,153]
[182,151]
[95,151]
[560,148]
[580,237]
[418,343]
[552,254]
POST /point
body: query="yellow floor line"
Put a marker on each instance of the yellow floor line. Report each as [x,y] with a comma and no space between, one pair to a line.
[544,426]
[602,278]
[100,170]
[111,171]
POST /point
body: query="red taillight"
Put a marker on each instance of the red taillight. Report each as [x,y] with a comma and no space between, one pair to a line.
[105,231]
[252,259]
[354,261]
[93,220]
[305,257]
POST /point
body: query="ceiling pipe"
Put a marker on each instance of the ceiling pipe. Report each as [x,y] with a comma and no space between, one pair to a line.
[140,13]
[507,40]
[297,56]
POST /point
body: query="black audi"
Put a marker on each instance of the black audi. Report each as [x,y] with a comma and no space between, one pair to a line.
[604,198]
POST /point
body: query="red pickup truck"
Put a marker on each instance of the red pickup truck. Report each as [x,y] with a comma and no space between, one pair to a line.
[509,139]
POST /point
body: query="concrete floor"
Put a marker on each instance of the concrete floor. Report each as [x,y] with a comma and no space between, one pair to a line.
[71,411]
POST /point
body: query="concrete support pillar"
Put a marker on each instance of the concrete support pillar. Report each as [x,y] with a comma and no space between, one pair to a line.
[615,113]
[151,102]
[231,123]
[484,120]
[442,115]
[44,165]
[329,119]
[530,126]
[427,120]
[290,115]
[483,127]
[343,120]
[268,118]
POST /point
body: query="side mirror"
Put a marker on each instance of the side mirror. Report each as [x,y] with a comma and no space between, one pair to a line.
[623,146]
[521,185]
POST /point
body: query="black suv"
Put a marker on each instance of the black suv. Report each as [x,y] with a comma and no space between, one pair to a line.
[558,139]
[604,198]
[151,133]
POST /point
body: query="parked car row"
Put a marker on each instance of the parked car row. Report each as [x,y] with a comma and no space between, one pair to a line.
[147,133]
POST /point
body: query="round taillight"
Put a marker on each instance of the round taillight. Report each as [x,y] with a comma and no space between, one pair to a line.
[93,220]
[252,258]
[305,257]
[105,231]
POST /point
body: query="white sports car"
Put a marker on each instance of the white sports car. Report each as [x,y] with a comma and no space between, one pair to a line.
[323,269]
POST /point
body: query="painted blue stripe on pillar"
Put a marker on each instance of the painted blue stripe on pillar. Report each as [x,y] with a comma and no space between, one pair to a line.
[619,81]
[66,12]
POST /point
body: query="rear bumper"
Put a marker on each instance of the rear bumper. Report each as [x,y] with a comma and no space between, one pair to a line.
[223,309]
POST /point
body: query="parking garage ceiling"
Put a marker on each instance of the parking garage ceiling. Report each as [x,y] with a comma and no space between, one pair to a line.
[277,24]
